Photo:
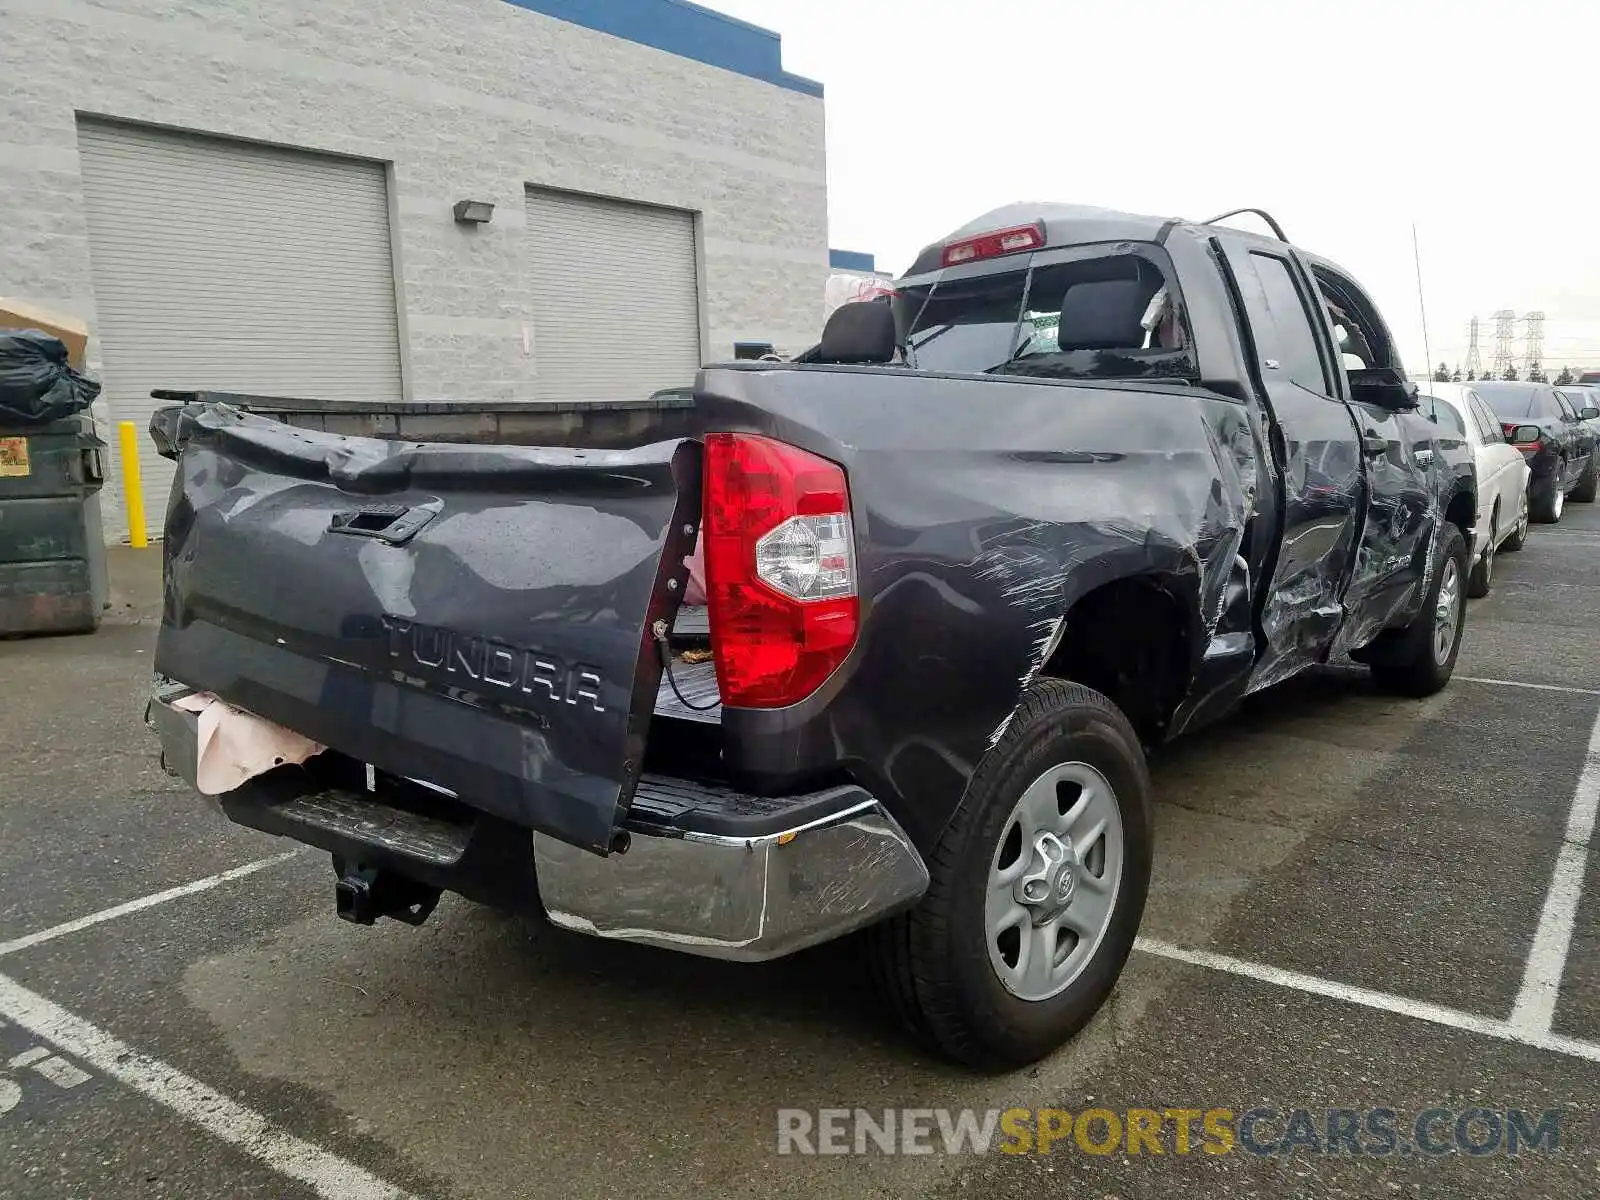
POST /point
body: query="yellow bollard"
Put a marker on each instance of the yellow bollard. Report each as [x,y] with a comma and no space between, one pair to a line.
[132,488]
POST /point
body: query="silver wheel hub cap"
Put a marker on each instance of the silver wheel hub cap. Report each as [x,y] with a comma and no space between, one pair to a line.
[1446,612]
[1047,887]
[1054,881]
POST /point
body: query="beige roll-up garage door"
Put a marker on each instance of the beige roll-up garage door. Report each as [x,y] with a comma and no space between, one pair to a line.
[235,267]
[617,309]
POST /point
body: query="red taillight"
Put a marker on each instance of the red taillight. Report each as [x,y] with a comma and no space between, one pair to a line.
[993,245]
[780,569]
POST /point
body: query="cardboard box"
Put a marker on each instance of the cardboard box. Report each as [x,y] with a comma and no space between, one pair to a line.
[74,334]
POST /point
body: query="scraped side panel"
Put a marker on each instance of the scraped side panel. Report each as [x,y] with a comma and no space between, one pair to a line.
[986,509]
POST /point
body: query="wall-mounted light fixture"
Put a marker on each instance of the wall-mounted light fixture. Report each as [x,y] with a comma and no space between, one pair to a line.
[473,212]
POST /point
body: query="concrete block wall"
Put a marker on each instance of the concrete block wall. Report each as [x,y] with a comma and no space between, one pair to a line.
[466,99]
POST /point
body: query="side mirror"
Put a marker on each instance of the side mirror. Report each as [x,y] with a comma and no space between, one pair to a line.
[1384,387]
[1523,435]
[1589,414]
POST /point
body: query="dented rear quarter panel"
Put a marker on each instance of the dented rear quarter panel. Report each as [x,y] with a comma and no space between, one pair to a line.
[985,508]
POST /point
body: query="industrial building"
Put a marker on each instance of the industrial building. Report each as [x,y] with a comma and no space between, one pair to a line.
[526,200]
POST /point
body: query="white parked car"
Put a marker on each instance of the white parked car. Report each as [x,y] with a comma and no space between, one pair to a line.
[1502,471]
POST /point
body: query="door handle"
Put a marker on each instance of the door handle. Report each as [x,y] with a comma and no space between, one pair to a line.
[392,523]
[1374,445]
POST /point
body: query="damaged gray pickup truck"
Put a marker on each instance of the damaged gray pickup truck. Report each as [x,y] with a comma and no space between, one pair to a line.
[1083,483]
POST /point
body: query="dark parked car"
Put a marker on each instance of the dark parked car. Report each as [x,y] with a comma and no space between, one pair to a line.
[1583,397]
[1553,436]
[963,565]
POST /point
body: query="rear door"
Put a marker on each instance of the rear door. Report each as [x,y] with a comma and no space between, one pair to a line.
[1505,474]
[1582,439]
[1408,472]
[1315,442]
[478,617]
[1553,417]
[1458,438]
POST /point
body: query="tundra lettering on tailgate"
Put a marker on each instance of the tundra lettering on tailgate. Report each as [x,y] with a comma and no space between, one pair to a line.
[510,667]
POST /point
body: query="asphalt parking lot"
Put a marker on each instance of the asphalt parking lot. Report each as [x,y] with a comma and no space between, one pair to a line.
[1353,908]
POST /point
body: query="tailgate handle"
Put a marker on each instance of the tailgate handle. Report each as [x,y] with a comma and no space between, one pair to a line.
[392,523]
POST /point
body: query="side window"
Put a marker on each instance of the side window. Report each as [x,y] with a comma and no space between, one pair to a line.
[1449,418]
[1577,401]
[1295,342]
[1561,404]
[1488,426]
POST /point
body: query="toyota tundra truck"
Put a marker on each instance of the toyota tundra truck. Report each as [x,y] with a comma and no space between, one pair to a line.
[875,640]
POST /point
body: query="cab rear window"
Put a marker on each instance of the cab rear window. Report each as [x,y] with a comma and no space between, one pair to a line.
[1095,316]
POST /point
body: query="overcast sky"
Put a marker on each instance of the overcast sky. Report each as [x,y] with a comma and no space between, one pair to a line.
[1347,121]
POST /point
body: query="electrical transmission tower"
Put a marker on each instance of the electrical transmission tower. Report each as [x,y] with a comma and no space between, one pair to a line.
[1474,356]
[1533,346]
[1504,330]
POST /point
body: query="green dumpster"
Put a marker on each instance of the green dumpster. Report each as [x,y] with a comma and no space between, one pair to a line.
[52,548]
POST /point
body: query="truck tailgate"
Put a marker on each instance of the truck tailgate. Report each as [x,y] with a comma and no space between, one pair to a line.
[475,616]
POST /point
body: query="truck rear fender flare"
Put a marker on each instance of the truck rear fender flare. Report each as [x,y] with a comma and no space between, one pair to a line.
[1104,631]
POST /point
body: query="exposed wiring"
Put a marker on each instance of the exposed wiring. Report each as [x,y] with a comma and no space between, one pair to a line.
[659,630]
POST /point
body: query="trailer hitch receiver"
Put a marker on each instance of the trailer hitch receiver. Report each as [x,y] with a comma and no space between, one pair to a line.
[363,894]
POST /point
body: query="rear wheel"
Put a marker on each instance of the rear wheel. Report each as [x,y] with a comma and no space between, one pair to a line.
[1037,887]
[1419,659]
[1584,492]
[1482,577]
[1547,507]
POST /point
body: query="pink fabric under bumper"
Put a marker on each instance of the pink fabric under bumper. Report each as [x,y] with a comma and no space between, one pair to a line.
[234,746]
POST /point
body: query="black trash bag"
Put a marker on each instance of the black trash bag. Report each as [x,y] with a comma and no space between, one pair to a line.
[37,385]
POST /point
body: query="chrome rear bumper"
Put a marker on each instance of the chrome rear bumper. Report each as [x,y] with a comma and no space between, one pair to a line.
[738,898]
[708,870]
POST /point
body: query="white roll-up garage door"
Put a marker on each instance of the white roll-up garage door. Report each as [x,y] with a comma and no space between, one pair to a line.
[617,310]
[235,267]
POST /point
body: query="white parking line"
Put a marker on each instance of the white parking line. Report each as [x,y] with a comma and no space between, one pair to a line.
[61,1073]
[143,902]
[1537,687]
[325,1173]
[1435,1014]
[1535,1009]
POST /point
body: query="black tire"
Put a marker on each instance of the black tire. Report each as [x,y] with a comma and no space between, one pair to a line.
[1584,492]
[1547,507]
[1482,577]
[933,962]
[1406,662]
